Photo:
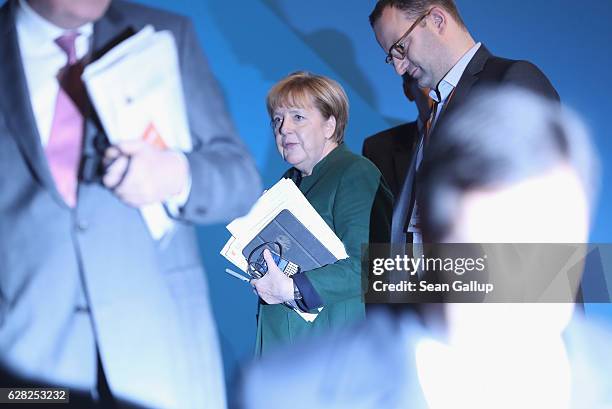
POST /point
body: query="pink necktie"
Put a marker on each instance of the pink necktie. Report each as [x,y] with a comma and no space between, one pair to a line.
[64,147]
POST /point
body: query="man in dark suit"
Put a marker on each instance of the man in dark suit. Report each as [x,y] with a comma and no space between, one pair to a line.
[428,40]
[88,298]
[392,149]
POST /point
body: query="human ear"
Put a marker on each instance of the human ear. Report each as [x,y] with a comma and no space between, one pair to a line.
[439,18]
[330,127]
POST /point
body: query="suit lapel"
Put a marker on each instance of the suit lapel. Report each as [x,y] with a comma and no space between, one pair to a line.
[17,107]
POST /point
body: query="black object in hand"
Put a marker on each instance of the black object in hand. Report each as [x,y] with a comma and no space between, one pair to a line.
[259,268]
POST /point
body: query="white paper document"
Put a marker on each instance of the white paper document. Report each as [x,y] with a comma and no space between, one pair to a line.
[137,92]
[283,195]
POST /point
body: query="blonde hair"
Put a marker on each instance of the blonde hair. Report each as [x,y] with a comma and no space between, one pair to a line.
[302,89]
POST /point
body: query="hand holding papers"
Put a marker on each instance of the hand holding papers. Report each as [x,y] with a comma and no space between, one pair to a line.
[137,93]
[284,197]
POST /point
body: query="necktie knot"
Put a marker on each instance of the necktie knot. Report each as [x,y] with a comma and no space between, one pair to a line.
[67,43]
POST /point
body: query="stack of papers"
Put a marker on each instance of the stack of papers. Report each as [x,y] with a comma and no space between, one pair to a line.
[135,88]
[283,195]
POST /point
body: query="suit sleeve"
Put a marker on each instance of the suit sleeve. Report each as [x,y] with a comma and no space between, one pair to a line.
[224,179]
[526,74]
[351,217]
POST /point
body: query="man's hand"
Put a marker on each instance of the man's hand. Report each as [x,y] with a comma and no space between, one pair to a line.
[275,287]
[154,174]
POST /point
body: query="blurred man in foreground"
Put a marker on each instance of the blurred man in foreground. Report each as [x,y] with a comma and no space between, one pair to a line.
[88,298]
[511,167]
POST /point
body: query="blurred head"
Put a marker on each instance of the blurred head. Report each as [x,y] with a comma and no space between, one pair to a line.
[509,167]
[308,115]
[423,38]
[70,14]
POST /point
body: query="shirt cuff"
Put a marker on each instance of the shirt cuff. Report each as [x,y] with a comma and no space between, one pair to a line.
[310,298]
[175,203]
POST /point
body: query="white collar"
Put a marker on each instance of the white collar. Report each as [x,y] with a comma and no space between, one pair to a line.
[451,79]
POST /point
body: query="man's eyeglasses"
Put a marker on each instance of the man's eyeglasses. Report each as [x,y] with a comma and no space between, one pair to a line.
[397,50]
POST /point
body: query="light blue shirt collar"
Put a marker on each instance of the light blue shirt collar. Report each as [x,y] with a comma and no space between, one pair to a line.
[451,79]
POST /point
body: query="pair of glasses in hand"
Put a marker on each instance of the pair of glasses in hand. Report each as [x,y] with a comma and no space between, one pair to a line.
[257,266]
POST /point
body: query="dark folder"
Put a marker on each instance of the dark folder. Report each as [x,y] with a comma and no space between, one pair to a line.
[298,244]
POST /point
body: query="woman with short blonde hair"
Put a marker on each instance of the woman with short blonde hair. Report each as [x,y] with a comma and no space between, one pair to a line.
[309,114]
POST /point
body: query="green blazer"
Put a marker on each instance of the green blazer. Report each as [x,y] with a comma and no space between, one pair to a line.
[346,190]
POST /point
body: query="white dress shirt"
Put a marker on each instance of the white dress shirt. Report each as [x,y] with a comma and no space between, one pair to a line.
[440,95]
[42,60]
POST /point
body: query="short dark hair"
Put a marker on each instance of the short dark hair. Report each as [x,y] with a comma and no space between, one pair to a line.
[415,8]
[500,136]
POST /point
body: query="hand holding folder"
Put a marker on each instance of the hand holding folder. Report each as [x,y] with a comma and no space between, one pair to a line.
[283,216]
[284,195]
[137,92]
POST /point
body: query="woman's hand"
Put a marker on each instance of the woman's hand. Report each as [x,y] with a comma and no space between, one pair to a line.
[275,287]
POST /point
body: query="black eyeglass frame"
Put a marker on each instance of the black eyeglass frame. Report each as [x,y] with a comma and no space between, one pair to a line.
[254,268]
[398,46]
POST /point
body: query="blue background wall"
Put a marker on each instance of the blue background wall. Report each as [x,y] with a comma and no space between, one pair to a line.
[251,44]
